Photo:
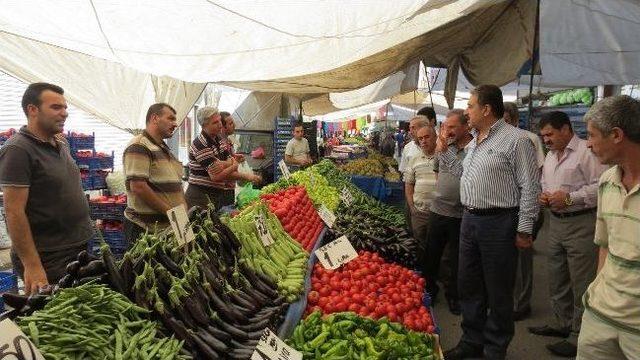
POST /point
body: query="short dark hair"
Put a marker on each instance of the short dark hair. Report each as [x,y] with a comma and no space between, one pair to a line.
[460,114]
[427,111]
[490,95]
[298,124]
[31,96]
[557,119]
[156,109]
[223,117]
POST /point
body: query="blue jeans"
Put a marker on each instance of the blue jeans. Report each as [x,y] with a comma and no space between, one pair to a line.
[486,276]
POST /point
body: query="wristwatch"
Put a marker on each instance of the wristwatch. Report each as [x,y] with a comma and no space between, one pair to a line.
[568,201]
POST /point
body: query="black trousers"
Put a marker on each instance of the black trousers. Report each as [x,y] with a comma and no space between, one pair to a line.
[201,196]
[132,232]
[443,230]
[53,262]
[486,277]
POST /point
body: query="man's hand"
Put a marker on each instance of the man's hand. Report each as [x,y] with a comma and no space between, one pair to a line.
[557,200]
[441,141]
[524,241]
[239,158]
[412,209]
[543,199]
[34,279]
[255,179]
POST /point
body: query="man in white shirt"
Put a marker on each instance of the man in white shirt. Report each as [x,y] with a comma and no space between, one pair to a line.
[569,193]
[297,150]
[420,185]
[408,152]
[523,288]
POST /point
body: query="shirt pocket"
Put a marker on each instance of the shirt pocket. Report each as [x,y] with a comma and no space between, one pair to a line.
[571,176]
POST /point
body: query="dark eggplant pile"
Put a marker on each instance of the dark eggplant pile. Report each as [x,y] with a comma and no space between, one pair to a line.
[200,292]
[367,231]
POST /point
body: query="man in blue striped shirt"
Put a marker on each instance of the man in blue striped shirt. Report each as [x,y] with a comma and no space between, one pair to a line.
[499,188]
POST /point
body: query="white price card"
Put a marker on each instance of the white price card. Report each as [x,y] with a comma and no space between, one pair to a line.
[336,253]
[346,197]
[263,231]
[270,347]
[180,224]
[327,216]
[284,169]
[14,344]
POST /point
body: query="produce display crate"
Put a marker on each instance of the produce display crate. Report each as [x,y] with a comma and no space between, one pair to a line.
[94,162]
[282,133]
[81,142]
[395,193]
[107,211]
[8,283]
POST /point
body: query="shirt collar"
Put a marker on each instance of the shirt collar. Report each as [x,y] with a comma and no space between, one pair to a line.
[161,144]
[573,143]
[25,131]
[616,179]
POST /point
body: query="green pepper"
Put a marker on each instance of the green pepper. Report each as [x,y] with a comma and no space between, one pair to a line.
[339,349]
[319,340]
[371,349]
[383,331]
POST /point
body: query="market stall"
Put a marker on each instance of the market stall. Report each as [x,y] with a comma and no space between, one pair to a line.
[212,296]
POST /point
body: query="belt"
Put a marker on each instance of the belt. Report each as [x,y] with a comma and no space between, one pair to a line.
[488,211]
[573,213]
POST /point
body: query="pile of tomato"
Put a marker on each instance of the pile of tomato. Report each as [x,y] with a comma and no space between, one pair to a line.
[296,213]
[371,287]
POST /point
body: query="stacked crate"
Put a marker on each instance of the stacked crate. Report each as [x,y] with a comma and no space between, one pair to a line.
[94,166]
[281,135]
[108,212]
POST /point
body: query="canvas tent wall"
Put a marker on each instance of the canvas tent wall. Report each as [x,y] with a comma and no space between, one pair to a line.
[115,58]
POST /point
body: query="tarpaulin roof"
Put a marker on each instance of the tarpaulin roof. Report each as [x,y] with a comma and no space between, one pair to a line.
[114,58]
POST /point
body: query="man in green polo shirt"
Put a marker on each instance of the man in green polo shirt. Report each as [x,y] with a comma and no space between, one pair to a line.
[47,213]
[611,321]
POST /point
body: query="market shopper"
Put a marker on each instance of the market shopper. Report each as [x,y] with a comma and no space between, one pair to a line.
[420,182]
[569,195]
[297,151]
[410,150]
[523,288]
[611,320]
[446,210]
[430,113]
[47,213]
[499,190]
[153,176]
[229,144]
[213,169]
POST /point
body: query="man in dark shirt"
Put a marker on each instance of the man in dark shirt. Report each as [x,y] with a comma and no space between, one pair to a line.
[47,213]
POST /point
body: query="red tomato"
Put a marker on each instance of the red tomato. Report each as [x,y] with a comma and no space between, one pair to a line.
[313,297]
[392,316]
[323,301]
[354,307]
[341,306]
[325,291]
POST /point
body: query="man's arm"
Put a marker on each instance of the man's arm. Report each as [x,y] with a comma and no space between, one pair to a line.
[408,193]
[527,178]
[15,203]
[450,159]
[291,161]
[220,171]
[602,257]
[591,170]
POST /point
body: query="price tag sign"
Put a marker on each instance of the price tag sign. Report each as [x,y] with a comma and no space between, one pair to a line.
[336,253]
[180,224]
[270,347]
[263,231]
[391,169]
[346,197]
[284,169]
[14,344]
[327,216]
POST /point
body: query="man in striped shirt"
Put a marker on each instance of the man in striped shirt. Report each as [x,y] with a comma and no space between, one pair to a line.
[153,175]
[213,170]
[611,320]
[499,190]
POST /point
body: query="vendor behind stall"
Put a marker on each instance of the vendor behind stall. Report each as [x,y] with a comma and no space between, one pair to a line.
[213,170]
[297,150]
[153,175]
[47,213]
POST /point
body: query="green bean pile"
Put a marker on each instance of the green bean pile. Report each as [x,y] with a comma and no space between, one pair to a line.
[94,322]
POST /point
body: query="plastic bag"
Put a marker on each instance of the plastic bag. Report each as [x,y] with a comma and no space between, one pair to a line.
[258,153]
[247,195]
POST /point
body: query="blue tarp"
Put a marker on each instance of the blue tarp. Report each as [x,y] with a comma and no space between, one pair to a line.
[372,186]
[296,310]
